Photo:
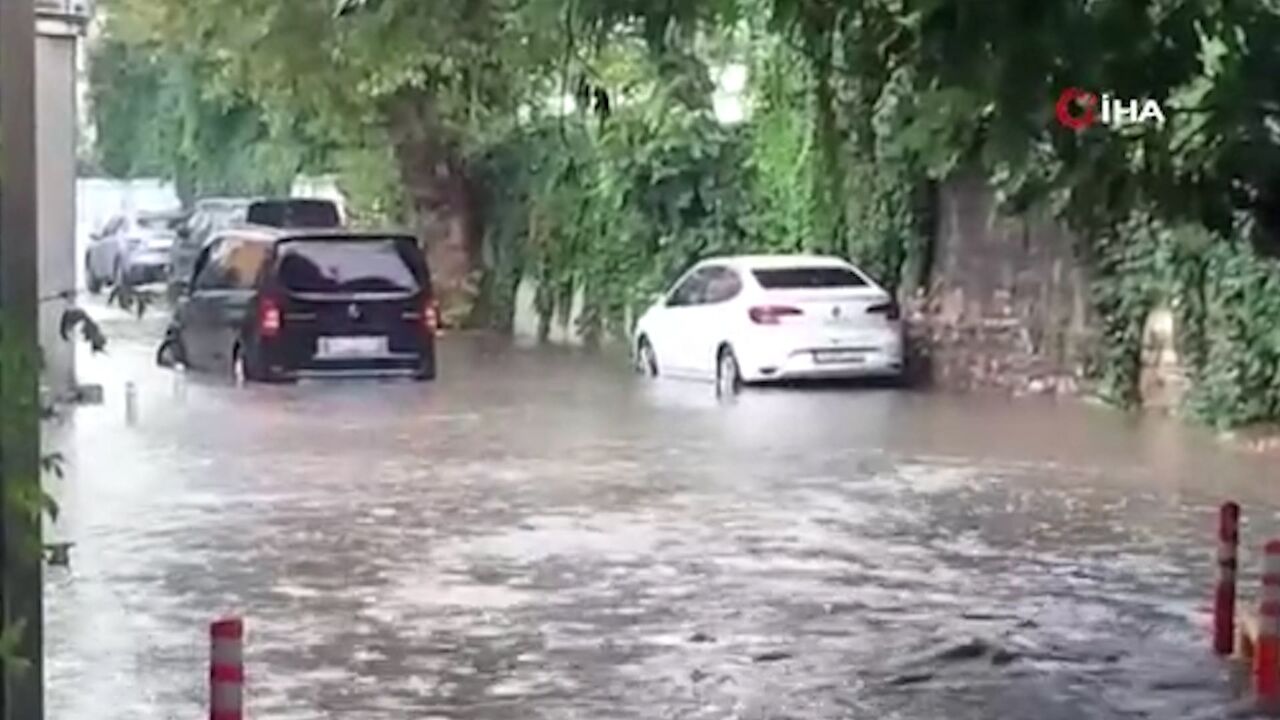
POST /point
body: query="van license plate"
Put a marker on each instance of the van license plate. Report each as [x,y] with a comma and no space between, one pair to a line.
[337,348]
[832,357]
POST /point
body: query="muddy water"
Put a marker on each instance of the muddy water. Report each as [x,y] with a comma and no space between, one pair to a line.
[541,535]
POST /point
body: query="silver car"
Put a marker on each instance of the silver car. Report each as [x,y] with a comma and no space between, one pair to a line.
[133,249]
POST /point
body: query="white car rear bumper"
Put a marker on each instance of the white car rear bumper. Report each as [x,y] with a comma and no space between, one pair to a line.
[872,354]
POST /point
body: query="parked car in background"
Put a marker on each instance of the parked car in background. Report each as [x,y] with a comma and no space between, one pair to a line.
[275,304]
[212,215]
[751,319]
[209,216]
[132,248]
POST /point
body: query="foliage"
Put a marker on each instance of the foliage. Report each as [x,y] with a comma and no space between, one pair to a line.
[370,185]
[25,501]
[1134,275]
[1229,335]
[615,212]
[1224,295]
[154,119]
[782,149]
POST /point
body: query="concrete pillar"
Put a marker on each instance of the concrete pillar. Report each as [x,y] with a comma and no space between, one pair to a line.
[57,129]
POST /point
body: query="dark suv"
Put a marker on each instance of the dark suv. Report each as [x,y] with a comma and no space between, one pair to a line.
[273,304]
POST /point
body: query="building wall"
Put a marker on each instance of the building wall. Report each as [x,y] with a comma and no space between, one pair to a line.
[56,133]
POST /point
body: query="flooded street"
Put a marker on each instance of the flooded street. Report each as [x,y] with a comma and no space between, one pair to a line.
[543,535]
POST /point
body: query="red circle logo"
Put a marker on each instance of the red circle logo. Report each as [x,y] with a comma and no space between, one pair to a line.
[1076,108]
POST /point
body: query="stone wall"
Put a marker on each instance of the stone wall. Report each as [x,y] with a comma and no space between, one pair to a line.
[1007,302]
[1162,382]
[529,326]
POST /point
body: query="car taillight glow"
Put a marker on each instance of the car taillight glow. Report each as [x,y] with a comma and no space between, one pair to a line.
[772,314]
[431,316]
[269,317]
[890,310]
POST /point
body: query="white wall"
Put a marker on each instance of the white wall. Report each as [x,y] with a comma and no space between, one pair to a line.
[56,134]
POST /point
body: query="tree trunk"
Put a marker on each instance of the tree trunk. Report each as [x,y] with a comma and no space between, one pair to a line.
[441,199]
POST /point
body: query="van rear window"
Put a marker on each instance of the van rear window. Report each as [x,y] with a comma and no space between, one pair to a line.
[798,278]
[350,266]
[294,214]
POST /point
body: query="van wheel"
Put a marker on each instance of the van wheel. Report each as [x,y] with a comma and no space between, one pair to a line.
[646,361]
[246,368]
[728,374]
[171,354]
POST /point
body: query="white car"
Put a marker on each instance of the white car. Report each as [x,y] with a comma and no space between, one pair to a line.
[758,318]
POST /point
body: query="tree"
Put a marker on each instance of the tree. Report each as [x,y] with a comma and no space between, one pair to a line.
[153,119]
[420,78]
[975,83]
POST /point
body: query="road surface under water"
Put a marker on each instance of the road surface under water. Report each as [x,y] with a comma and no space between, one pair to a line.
[539,534]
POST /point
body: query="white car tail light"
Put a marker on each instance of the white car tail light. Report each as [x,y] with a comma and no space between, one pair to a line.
[772,314]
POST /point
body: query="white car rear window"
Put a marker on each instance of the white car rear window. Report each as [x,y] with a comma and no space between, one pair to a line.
[797,278]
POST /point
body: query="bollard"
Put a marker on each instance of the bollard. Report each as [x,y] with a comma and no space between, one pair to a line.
[59,554]
[1224,599]
[179,386]
[226,670]
[1266,655]
[130,403]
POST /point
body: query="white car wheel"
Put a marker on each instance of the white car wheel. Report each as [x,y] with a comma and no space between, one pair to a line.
[728,375]
[646,359]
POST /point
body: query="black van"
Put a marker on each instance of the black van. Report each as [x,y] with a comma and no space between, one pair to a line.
[277,304]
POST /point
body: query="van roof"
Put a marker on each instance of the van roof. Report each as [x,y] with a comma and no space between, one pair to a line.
[268,233]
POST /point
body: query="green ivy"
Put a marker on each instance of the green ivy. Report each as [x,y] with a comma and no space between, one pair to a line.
[1236,377]
[1225,297]
[615,211]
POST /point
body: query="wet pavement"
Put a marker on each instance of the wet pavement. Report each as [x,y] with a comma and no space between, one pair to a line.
[539,534]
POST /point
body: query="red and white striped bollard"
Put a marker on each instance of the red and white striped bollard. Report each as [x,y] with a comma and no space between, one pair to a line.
[1224,598]
[1266,656]
[226,669]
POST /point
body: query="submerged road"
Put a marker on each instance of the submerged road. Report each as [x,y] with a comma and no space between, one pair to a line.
[540,534]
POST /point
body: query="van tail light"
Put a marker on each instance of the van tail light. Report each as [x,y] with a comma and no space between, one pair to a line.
[431,316]
[889,310]
[269,318]
[772,314]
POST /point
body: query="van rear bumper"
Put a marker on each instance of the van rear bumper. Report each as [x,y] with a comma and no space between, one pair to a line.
[406,365]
